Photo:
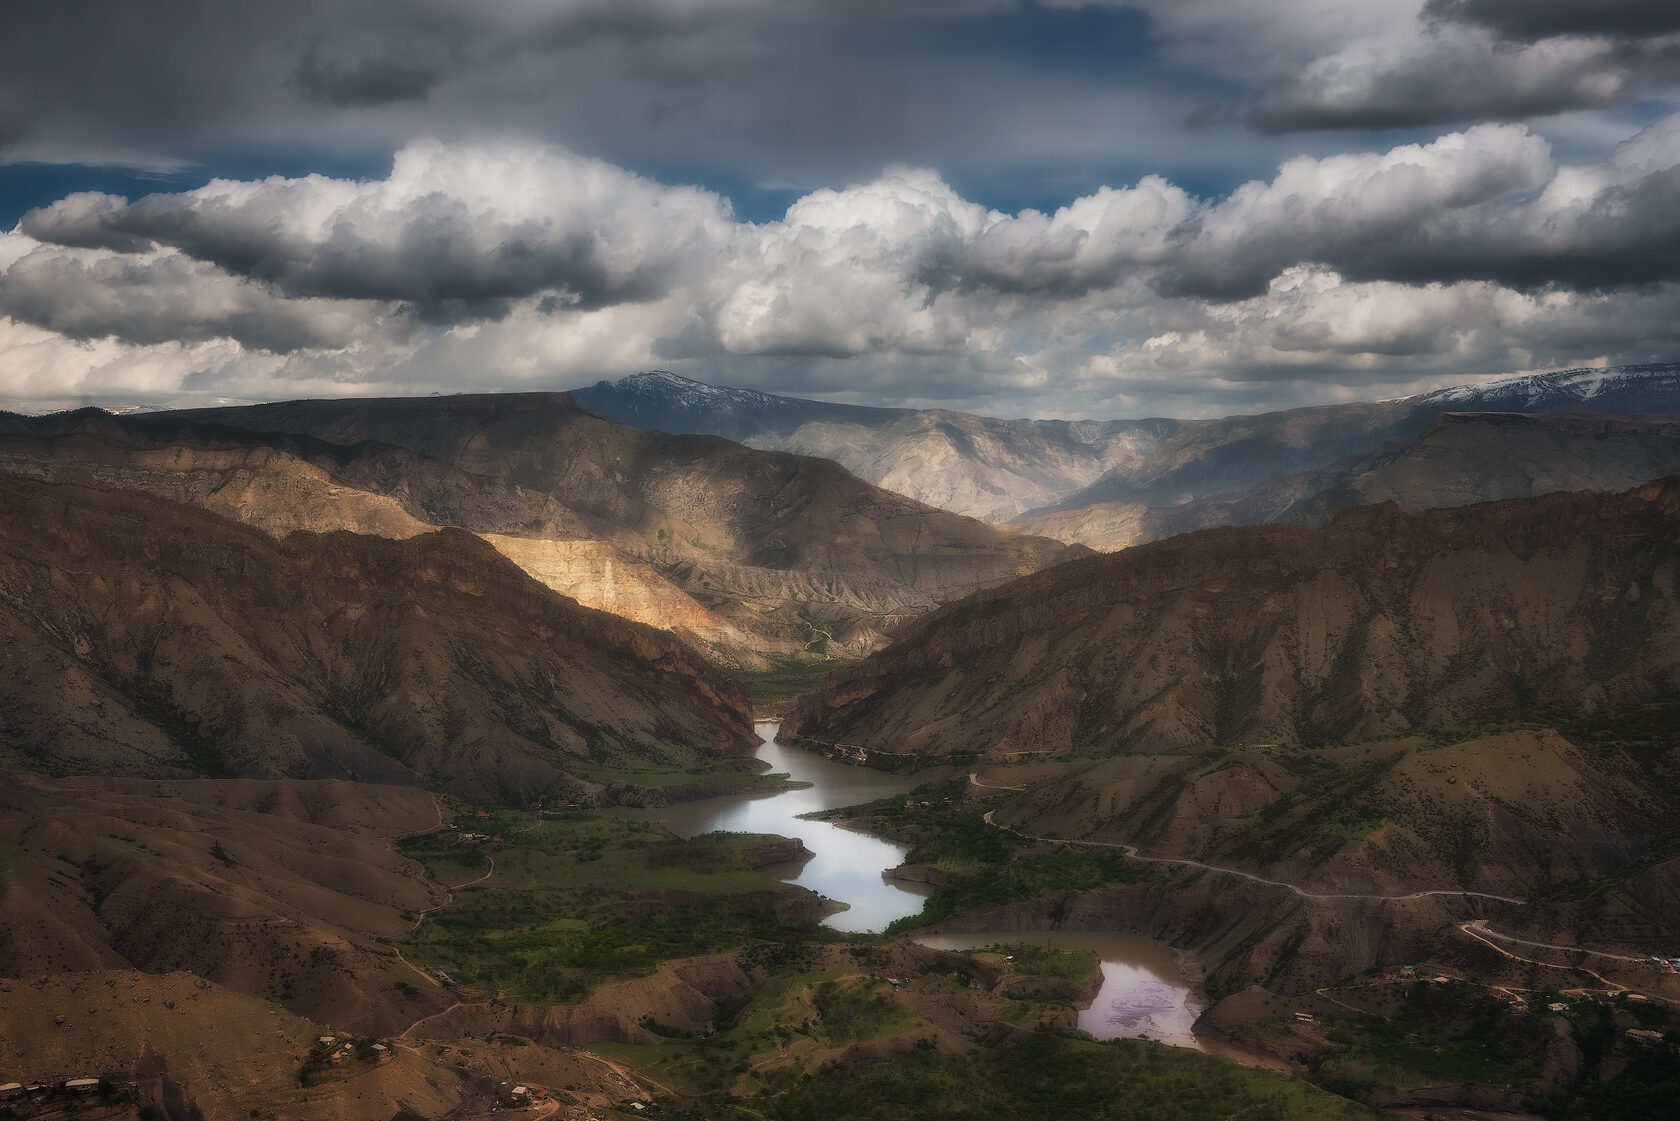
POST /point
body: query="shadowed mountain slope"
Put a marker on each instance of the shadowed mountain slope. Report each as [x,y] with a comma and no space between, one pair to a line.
[1385,621]
[276,888]
[792,549]
[149,638]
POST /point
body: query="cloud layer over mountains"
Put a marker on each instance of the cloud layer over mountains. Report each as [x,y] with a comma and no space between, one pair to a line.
[515,263]
[1378,195]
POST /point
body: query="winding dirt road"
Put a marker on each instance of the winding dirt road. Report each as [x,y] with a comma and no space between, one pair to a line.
[1478,929]
[1481,927]
[1132,852]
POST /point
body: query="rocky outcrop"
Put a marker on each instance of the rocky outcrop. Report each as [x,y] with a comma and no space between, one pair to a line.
[780,851]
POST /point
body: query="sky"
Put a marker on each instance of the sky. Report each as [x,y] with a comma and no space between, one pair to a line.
[1085,208]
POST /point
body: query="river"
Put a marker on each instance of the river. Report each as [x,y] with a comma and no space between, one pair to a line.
[1142,992]
[847,865]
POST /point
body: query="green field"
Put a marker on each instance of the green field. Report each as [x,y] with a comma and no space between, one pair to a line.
[576,900]
[1454,1033]
[985,867]
[1053,1077]
[785,678]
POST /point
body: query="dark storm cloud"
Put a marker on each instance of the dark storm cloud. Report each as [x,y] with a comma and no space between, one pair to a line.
[1532,20]
[167,72]
[400,72]
[1386,64]
[1451,87]
[1457,80]
[169,300]
[732,92]
[804,90]
[1628,236]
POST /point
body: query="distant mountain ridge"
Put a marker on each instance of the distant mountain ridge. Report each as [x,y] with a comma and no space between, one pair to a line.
[661,401]
[1019,471]
[984,467]
[1461,458]
[1647,388]
[1204,458]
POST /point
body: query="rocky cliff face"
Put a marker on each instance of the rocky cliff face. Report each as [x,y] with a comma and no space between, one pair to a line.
[794,552]
[1385,621]
[151,638]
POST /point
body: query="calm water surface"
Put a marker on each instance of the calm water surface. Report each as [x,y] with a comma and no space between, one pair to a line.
[1142,993]
[847,866]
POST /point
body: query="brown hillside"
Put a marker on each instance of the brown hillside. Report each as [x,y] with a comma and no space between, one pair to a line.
[280,483]
[795,549]
[274,888]
[1385,621]
[149,638]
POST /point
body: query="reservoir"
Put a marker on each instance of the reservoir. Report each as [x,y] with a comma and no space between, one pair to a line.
[1142,992]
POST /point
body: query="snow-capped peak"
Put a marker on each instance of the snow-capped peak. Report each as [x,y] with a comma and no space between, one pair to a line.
[1561,389]
[675,391]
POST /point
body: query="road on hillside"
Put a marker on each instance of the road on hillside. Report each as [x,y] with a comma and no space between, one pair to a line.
[1132,852]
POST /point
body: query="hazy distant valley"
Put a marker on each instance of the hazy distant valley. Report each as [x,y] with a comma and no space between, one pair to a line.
[1118,483]
[370,719]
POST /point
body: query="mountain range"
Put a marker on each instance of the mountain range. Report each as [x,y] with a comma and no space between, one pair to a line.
[1402,699]
[258,657]
[149,638]
[980,466]
[1109,484]
[749,555]
[1460,458]
[1386,621]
